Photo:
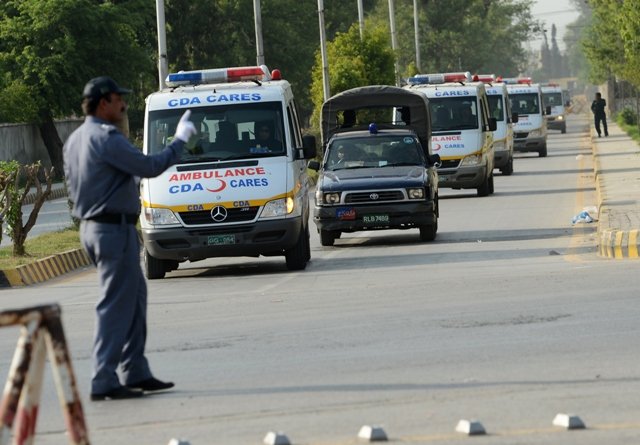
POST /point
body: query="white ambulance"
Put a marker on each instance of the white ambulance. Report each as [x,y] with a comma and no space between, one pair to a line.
[461,129]
[554,104]
[241,186]
[530,132]
[500,108]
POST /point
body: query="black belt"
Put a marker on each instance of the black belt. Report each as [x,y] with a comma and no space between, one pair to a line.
[115,218]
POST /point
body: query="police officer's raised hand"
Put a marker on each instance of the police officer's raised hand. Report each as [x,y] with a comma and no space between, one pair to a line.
[185,128]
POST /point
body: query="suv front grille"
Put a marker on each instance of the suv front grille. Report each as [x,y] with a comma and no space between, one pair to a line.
[373,196]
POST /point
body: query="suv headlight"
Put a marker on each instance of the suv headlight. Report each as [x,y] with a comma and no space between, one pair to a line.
[476,159]
[329,198]
[278,207]
[415,193]
[159,217]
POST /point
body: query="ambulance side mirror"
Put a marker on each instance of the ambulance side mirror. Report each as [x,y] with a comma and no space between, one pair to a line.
[435,160]
[308,149]
[313,165]
[547,110]
[493,124]
[514,118]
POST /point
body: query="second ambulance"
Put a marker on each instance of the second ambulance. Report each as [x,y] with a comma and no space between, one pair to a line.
[554,102]
[461,129]
[241,187]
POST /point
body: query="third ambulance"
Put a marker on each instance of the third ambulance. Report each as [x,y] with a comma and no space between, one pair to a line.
[530,132]
[554,103]
[462,129]
[241,186]
[500,108]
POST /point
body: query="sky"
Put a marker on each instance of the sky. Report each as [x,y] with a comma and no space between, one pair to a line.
[558,12]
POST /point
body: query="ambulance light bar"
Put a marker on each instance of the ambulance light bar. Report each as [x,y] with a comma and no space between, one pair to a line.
[486,78]
[517,80]
[218,75]
[421,79]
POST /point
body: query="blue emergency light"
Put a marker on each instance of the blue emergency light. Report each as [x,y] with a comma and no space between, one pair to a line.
[218,75]
[373,128]
[423,79]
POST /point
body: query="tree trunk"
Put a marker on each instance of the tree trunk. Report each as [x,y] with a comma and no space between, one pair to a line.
[52,141]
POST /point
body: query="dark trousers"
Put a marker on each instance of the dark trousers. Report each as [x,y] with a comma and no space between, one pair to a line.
[601,118]
[121,312]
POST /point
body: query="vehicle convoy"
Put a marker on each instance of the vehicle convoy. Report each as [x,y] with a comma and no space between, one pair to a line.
[530,132]
[462,129]
[554,100]
[377,172]
[500,109]
[241,186]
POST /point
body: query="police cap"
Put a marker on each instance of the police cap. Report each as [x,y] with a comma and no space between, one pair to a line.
[99,86]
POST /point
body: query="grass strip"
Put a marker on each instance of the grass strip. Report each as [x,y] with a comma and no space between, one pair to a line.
[40,247]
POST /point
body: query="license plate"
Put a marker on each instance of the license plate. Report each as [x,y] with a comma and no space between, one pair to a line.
[218,240]
[374,219]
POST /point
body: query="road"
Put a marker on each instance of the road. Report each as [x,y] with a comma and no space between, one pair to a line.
[508,318]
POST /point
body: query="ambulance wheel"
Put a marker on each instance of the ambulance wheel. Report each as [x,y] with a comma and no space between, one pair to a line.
[428,233]
[327,237]
[563,130]
[491,188]
[485,188]
[298,255]
[154,268]
[543,152]
[507,170]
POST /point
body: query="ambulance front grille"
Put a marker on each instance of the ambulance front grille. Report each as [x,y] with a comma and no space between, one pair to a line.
[451,163]
[203,217]
[520,135]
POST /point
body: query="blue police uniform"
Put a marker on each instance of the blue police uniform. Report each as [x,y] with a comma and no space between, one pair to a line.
[102,171]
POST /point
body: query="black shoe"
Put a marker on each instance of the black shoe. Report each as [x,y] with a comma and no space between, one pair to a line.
[151,384]
[116,394]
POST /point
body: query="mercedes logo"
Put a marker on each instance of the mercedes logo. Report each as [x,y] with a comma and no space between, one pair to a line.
[374,196]
[218,213]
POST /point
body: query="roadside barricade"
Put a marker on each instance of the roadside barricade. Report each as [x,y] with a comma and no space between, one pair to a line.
[41,334]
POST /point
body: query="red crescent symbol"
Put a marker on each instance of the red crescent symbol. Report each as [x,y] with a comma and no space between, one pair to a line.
[222,186]
[437,147]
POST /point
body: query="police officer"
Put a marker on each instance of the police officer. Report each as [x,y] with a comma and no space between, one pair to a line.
[102,171]
[599,115]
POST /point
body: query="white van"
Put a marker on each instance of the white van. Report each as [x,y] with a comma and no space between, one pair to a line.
[500,109]
[231,194]
[461,129]
[530,132]
[553,98]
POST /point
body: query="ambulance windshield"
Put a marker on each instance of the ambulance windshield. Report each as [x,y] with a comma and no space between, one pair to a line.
[525,103]
[224,131]
[371,152]
[453,113]
[552,99]
[496,107]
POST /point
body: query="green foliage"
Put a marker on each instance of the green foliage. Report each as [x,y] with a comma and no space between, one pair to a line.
[628,116]
[9,194]
[354,62]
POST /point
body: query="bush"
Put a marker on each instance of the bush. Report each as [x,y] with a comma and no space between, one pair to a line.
[628,116]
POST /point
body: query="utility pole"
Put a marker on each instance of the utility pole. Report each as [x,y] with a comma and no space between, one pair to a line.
[323,51]
[361,18]
[163,66]
[394,43]
[417,33]
[257,16]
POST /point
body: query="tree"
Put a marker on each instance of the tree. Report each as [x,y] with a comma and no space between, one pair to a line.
[354,62]
[49,50]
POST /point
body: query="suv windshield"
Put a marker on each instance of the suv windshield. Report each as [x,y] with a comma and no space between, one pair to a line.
[453,113]
[378,151]
[224,131]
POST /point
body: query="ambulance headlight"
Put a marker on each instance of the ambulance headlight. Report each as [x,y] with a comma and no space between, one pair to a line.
[279,207]
[560,118]
[535,133]
[499,146]
[472,160]
[159,217]
[415,193]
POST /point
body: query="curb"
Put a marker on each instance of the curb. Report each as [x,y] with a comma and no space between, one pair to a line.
[612,243]
[44,269]
[56,193]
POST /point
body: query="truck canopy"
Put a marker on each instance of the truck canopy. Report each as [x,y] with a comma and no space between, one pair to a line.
[376,97]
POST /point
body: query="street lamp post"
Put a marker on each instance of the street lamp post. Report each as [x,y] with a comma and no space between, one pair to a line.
[323,51]
[163,67]
[394,43]
[257,15]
